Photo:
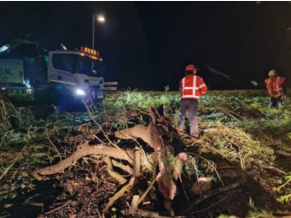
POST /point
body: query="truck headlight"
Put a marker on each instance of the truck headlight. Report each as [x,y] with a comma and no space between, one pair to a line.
[80,92]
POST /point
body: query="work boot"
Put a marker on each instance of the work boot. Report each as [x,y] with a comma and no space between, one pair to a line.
[196,136]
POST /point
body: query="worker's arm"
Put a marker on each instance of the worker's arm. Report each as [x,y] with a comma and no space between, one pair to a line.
[203,88]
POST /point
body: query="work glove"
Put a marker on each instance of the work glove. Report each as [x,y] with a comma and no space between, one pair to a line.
[284,97]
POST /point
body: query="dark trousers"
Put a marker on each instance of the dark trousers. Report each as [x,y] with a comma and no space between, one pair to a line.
[275,102]
[190,105]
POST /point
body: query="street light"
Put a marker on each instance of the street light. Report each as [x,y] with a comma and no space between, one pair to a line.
[100,19]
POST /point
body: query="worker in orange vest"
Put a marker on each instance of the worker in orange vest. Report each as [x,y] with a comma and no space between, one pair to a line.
[277,89]
[191,88]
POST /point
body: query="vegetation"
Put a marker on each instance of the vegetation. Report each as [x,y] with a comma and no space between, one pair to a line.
[242,158]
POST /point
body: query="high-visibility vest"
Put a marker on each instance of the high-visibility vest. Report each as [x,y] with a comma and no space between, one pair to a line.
[192,87]
[274,86]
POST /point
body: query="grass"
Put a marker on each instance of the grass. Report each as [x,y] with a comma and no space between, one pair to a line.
[246,131]
[237,125]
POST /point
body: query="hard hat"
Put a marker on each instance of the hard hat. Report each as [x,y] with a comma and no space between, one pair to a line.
[272,73]
[190,67]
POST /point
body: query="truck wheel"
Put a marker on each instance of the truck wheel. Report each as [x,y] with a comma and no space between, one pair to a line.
[60,99]
[53,97]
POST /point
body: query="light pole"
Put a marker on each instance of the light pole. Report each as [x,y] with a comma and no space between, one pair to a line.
[100,19]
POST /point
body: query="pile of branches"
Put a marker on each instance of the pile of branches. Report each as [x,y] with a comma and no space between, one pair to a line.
[144,164]
[145,170]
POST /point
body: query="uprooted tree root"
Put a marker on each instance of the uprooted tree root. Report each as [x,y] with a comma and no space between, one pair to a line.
[172,152]
[153,136]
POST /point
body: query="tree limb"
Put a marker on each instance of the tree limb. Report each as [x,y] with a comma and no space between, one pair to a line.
[83,150]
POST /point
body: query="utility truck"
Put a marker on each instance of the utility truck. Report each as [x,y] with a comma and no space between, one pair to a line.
[63,78]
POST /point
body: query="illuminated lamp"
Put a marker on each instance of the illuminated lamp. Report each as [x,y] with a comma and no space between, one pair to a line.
[80,92]
[29,91]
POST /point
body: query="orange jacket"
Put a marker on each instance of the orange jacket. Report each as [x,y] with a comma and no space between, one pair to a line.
[274,86]
[192,87]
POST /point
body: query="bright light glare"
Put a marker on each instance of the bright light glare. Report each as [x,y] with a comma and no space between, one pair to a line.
[27,84]
[80,92]
[4,48]
[29,91]
[64,47]
[101,19]
[93,57]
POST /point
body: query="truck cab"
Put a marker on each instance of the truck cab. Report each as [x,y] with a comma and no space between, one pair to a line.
[74,76]
[63,78]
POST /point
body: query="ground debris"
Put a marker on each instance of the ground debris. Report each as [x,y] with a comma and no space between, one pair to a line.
[138,165]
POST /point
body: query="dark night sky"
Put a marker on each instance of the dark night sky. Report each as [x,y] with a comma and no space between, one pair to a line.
[148,44]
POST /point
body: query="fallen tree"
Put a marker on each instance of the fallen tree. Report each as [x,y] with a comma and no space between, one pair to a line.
[153,135]
[123,164]
[161,168]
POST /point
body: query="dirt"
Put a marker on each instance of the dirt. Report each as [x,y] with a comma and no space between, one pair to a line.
[85,196]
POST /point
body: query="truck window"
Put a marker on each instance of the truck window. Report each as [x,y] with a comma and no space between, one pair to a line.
[83,65]
[75,63]
[63,61]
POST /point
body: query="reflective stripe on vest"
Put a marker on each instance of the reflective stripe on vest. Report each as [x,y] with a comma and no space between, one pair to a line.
[193,88]
[275,87]
[201,86]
